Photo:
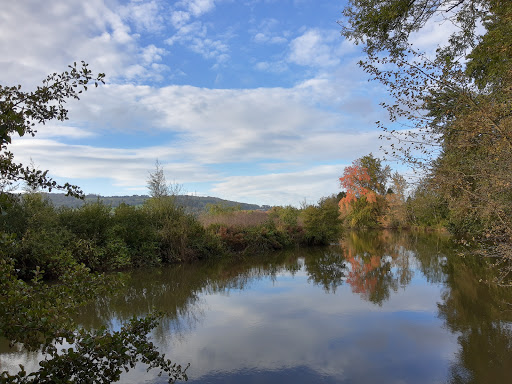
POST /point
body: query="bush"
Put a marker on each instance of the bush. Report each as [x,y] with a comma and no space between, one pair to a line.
[181,236]
[41,241]
[134,227]
[288,220]
[426,208]
[91,221]
[322,223]
[255,239]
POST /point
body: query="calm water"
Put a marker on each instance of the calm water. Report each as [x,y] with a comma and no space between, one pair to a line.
[378,308]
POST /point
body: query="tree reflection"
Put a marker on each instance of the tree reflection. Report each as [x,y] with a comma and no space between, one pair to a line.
[373,265]
[378,264]
[371,277]
[326,268]
[177,291]
[482,317]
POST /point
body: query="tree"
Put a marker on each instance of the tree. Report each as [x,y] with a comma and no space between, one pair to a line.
[157,184]
[365,183]
[385,26]
[468,77]
[354,179]
[20,112]
[321,221]
[396,210]
[378,175]
[454,109]
[38,313]
[364,178]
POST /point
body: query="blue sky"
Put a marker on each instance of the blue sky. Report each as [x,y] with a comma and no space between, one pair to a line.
[259,101]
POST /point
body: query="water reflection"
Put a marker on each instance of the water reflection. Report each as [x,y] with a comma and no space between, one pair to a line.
[481,316]
[380,307]
[382,262]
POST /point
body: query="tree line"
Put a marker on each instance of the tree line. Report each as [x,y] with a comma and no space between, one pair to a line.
[53,260]
[450,112]
[450,118]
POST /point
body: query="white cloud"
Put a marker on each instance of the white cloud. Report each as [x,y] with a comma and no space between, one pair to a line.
[151,54]
[265,32]
[63,131]
[125,167]
[195,37]
[197,7]
[282,188]
[179,18]
[146,16]
[263,38]
[260,38]
[272,67]
[316,48]
[39,38]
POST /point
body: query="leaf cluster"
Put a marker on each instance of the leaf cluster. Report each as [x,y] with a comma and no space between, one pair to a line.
[21,112]
[386,26]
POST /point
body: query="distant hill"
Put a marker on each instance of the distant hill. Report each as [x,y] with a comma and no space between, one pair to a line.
[193,204]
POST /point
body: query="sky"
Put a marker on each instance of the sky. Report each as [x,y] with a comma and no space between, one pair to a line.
[257,101]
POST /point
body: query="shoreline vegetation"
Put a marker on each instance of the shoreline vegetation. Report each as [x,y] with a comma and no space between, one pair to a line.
[105,238]
[449,119]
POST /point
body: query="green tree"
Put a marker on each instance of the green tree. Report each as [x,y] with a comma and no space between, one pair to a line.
[34,311]
[377,173]
[396,210]
[321,222]
[20,112]
[387,25]
[453,110]
[157,184]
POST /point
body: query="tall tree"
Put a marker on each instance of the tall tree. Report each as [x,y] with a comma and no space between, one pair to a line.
[157,184]
[377,173]
[355,180]
[454,108]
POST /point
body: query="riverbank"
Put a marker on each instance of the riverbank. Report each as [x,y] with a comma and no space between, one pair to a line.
[106,239]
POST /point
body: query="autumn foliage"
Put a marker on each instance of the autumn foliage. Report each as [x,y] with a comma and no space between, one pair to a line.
[353,181]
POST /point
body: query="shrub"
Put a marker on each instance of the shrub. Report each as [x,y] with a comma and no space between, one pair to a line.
[251,239]
[427,208]
[134,227]
[321,222]
[91,221]
[181,236]
[235,219]
[40,240]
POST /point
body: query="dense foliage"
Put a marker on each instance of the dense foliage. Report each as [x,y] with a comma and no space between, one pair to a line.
[450,114]
[46,258]
[50,259]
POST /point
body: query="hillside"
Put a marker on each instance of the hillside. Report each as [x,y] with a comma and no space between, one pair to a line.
[195,204]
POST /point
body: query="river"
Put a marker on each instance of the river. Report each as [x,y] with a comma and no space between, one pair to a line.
[378,307]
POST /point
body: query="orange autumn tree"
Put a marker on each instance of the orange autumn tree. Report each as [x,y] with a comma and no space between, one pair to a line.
[354,179]
[364,183]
